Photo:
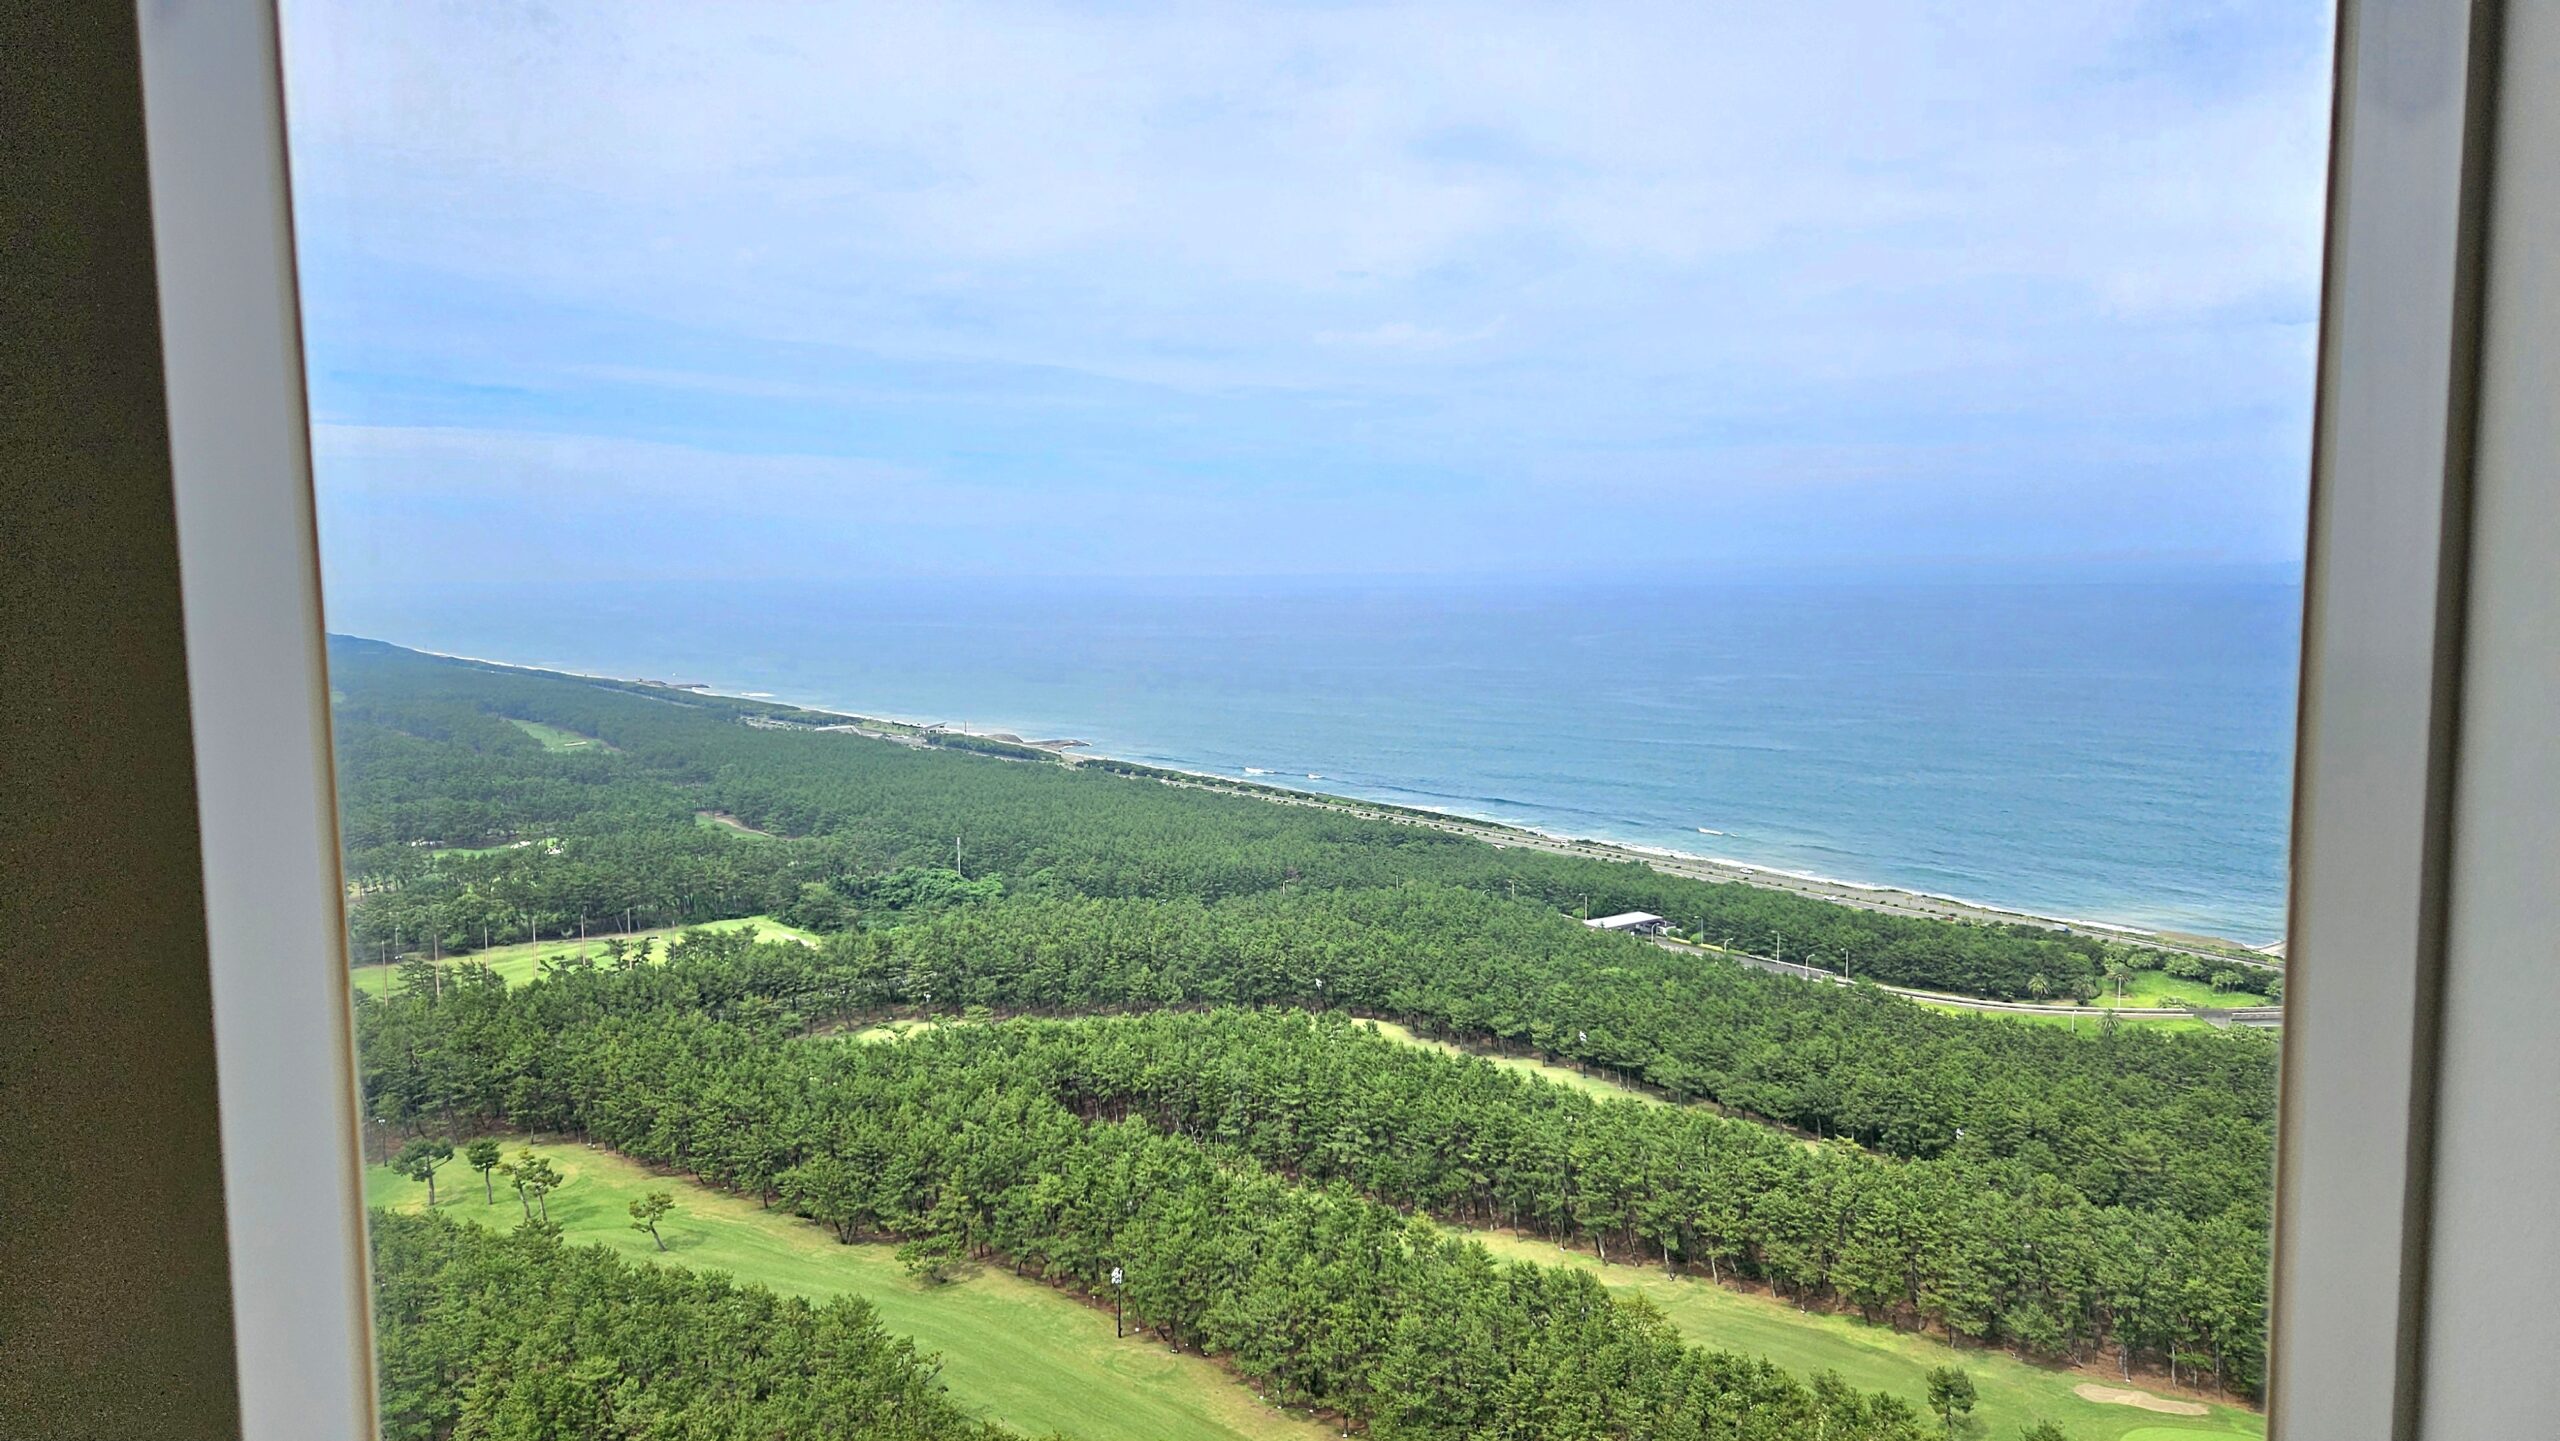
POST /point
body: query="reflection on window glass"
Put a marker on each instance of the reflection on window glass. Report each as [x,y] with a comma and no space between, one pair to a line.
[1436,721]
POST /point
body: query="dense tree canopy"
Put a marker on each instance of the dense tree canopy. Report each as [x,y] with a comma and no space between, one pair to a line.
[695,1064]
[2180,1122]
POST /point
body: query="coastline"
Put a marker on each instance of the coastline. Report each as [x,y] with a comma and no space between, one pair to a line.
[1884,899]
[1888,900]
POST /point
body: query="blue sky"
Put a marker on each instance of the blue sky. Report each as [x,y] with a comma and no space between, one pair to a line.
[1126,289]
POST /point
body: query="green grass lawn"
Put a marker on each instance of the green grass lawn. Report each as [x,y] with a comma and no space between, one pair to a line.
[441,851]
[1019,1352]
[2148,988]
[2013,1394]
[555,739]
[1527,1065]
[520,963]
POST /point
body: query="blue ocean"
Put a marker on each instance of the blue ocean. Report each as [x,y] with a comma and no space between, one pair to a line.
[2109,752]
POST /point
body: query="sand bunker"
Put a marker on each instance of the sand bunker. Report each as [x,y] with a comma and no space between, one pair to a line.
[2111,1396]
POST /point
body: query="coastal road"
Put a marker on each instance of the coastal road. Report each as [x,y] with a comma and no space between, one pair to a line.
[2263,1017]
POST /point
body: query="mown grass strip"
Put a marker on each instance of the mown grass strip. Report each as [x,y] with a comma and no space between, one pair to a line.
[1566,1076]
[2013,1394]
[553,738]
[521,962]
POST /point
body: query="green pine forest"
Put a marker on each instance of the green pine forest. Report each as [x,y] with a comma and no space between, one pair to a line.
[1164,1074]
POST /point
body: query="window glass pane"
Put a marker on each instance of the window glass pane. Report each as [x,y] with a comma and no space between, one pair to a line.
[1135,721]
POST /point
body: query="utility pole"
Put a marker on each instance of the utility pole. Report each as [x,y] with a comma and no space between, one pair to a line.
[955,859]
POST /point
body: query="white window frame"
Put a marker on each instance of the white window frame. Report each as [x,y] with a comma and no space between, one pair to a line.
[2383,607]
[2385,598]
[258,691]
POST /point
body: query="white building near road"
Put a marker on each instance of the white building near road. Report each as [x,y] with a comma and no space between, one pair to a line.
[1634,923]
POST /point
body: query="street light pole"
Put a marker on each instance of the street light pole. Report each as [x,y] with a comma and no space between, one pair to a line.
[1116,1279]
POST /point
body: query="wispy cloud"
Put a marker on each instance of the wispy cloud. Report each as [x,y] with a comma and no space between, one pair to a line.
[1405,335]
[1430,251]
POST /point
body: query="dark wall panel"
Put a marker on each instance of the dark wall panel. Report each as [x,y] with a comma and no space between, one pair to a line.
[114,1287]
